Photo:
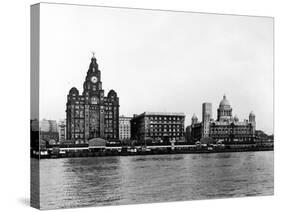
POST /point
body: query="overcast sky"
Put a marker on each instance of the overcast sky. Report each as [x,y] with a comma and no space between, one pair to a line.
[158,61]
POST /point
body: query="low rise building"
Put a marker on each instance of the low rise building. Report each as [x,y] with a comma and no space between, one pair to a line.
[158,127]
[124,127]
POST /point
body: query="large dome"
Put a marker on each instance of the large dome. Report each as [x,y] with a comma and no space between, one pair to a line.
[74,90]
[224,102]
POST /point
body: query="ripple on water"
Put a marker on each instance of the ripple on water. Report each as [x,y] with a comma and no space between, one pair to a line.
[72,182]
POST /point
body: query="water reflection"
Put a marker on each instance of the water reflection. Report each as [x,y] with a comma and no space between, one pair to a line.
[156,178]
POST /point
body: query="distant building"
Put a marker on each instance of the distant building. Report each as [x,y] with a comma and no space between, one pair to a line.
[194,119]
[158,127]
[62,131]
[188,134]
[124,127]
[49,130]
[92,114]
[206,118]
[262,136]
[226,128]
[34,124]
[195,129]
[48,126]
[34,134]
[50,137]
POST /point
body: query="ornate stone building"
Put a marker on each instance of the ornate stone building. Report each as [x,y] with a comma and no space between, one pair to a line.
[226,128]
[91,114]
[224,110]
[229,128]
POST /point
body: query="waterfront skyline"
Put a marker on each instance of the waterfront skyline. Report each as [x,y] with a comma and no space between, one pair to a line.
[156,64]
[189,122]
[157,69]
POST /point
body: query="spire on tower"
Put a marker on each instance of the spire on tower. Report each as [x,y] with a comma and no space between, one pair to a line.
[93,54]
[93,65]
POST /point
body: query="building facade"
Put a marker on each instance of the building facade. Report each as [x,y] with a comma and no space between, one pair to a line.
[124,127]
[206,118]
[158,127]
[226,128]
[92,114]
[49,131]
[195,129]
[62,131]
[48,126]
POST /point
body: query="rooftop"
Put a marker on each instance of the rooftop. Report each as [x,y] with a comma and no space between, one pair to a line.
[159,114]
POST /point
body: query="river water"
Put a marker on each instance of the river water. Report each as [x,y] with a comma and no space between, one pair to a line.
[95,181]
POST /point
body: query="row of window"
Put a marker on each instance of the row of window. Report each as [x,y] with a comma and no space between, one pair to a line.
[166,126]
[110,135]
[164,118]
[81,104]
[81,101]
[165,130]
[125,134]
[81,114]
[241,130]
[124,137]
[165,122]
[81,135]
[235,135]
[125,131]
[161,134]
[77,135]
[124,127]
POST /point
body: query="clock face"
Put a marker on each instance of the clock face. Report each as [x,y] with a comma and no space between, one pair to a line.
[94,79]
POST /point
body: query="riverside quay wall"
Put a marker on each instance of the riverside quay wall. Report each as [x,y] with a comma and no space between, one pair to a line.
[86,150]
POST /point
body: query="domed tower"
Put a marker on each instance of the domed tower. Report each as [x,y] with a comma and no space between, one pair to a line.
[252,120]
[72,98]
[73,92]
[92,84]
[252,117]
[91,114]
[224,110]
[194,119]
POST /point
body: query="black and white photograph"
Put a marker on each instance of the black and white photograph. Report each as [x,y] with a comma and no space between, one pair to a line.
[133,106]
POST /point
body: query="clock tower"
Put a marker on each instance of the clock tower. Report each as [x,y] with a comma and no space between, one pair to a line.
[98,114]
